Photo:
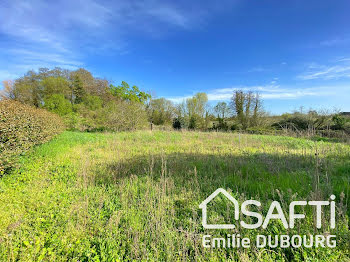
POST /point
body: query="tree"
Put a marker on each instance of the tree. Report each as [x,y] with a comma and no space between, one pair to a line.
[193,124]
[28,90]
[196,108]
[125,92]
[58,104]
[222,109]
[86,102]
[123,115]
[247,107]
[339,122]
[77,90]
[7,93]
[86,80]
[161,111]
[92,102]
[257,110]
[55,85]
[86,84]
[237,104]
[197,105]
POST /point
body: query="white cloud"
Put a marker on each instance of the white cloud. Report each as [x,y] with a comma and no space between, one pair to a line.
[343,59]
[64,32]
[268,92]
[331,72]
[336,70]
[35,57]
[178,99]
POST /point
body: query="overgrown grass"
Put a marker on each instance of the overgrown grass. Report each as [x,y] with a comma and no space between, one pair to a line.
[135,195]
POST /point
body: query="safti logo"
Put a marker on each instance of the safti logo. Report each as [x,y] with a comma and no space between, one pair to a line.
[275,212]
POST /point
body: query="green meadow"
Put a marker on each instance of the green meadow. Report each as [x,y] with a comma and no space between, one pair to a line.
[135,195]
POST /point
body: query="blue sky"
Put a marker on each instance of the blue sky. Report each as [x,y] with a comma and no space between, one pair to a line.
[294,53]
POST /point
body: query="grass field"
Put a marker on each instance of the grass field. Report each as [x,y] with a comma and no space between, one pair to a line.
[132,196]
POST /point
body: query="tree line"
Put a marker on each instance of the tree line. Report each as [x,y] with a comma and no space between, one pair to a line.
[89,103]
[85,102]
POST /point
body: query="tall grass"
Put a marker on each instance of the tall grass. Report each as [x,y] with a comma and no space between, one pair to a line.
[135,195]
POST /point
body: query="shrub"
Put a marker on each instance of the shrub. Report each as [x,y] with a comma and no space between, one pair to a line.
[196,122]
[221,125]
[123,116]
[236,126]
[21,127]
[178,123]
[193,123]
[297,120]
[339,122]
[347,127]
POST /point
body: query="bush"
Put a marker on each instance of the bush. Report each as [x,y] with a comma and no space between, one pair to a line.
[178,123]
[193,123]
[297,120]
[221,125]
[123,116]
[21,127]
[339,122]
[196,122]
[347,127]
[235,127]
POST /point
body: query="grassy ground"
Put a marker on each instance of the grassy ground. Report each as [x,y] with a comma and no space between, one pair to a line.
[132,196]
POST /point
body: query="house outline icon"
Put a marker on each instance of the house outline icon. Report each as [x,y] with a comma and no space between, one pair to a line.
[203,206]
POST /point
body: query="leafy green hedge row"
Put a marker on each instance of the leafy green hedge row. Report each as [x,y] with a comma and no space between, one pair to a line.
[21,127]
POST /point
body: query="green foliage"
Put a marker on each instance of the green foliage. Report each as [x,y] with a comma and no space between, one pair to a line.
[298,120]
[247,107]
[311,120]
[73,121]
[221,125]
[92,102]
[339,122]
[86,102]
[78,90]
[88,115]
[193,113]
[196,106]
[27,89]
[124,115]
[347,127]
[125,92]
[58,104]
[22,127]
[161,111]
[193,124]
[222,110]
[55,86]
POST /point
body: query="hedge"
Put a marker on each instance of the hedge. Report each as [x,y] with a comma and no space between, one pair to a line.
[22,127]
